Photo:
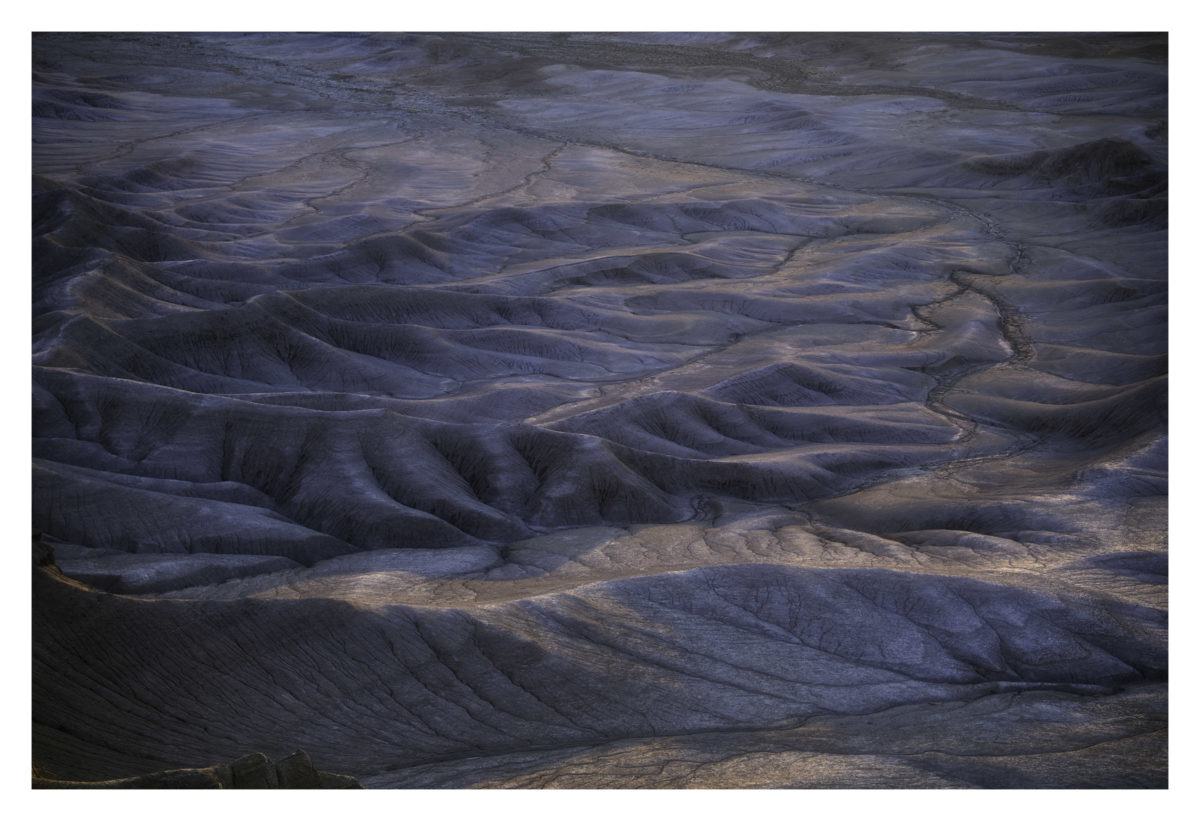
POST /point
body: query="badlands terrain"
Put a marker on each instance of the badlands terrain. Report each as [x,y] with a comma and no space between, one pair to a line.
[631,410]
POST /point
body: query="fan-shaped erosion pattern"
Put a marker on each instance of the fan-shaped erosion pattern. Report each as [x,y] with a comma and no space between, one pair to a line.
[599,410]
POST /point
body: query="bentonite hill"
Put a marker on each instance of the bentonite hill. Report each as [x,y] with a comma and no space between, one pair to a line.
[581,410]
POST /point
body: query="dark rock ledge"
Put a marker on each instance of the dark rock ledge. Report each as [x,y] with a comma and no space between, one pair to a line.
[250,772]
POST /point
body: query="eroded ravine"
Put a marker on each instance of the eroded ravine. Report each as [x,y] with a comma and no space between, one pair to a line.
[581,411]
